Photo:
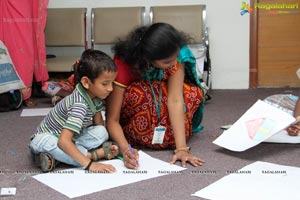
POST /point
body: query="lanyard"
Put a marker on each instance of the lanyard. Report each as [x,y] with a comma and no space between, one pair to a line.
[157,103]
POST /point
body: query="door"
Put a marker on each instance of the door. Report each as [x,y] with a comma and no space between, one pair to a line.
[277,44]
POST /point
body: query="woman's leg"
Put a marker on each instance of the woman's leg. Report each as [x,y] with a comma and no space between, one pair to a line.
[139,115]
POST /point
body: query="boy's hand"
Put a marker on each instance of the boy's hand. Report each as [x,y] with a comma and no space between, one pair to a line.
[294,129]
[102,168]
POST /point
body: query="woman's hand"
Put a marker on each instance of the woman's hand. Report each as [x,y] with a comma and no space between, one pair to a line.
[294,129]
[186,156]
[130,159]
[100,167]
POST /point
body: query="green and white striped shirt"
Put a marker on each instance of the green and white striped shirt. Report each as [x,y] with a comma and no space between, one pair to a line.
[74,112]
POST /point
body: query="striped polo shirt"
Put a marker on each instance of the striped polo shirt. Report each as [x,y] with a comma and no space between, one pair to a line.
[74,112]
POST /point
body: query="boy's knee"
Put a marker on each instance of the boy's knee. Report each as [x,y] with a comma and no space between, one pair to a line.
[43,143]
[99,132]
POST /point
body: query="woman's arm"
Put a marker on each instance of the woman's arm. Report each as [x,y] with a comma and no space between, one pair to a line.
[113,111]
[176,114]
[176,105]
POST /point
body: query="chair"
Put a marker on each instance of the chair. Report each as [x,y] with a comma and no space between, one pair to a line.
[108,24]
[192,20]
[65,36]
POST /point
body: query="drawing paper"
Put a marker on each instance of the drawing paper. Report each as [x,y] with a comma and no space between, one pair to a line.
[77,182]
[256,125]
[259,181]
[30,112]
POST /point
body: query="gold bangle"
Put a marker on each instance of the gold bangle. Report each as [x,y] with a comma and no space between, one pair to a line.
[185,149]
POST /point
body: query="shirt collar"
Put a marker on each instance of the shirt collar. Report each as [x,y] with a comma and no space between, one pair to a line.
[95,105]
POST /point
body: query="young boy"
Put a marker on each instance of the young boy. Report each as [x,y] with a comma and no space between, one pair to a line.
[74,129]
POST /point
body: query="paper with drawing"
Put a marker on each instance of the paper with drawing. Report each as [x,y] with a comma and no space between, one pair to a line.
[259,122]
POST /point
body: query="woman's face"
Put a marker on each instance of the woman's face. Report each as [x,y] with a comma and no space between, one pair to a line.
[166,63]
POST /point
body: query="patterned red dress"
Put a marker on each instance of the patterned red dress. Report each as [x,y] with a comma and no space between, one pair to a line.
[139,114]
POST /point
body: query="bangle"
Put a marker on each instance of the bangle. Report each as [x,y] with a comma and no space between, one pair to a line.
[185,149]
[89,165]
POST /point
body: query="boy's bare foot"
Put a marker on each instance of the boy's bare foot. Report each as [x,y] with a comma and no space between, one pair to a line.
[108,151]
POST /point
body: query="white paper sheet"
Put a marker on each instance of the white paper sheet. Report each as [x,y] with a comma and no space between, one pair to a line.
[265,181]
[35,112]
[283,137]
[259,122]
[76,182]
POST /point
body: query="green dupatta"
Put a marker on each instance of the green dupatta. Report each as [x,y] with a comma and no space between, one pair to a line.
[185,56]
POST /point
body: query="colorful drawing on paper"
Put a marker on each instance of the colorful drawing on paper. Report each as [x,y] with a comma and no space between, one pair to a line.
[259,129]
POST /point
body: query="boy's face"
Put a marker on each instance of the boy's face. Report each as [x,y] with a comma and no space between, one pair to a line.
[102,86]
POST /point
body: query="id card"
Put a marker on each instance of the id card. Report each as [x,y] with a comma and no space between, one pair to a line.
[159,134]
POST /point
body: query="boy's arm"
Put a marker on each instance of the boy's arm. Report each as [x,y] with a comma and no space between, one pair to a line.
[66,144]
[297,110]
[294,128]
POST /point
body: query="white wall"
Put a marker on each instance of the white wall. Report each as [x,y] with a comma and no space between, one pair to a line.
[228,32]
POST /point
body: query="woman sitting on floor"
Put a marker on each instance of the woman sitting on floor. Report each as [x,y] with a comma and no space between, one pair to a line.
[157,101]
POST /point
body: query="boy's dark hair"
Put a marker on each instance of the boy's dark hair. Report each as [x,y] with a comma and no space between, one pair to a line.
[92,63]
[148,43]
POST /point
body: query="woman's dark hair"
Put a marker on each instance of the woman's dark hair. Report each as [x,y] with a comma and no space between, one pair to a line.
[92,63]
[148,43]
